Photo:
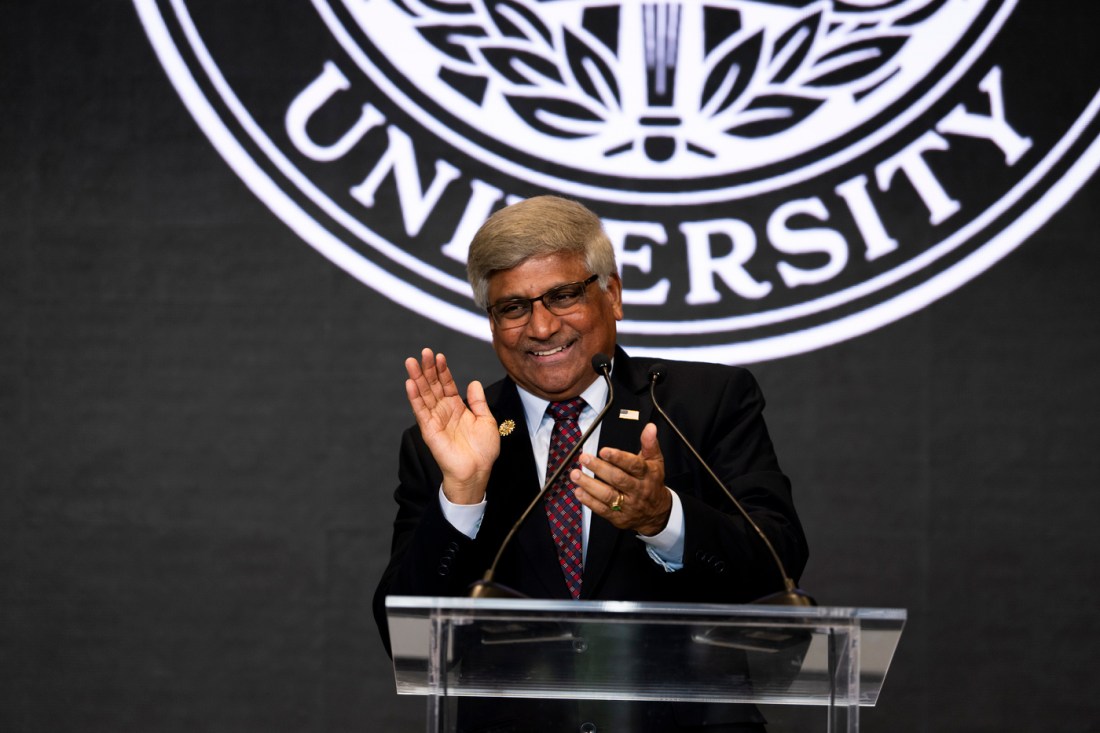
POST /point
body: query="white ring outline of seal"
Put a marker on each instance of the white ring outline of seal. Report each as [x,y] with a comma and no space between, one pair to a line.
[475,325]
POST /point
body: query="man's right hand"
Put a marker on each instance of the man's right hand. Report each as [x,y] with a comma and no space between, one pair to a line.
[464,441]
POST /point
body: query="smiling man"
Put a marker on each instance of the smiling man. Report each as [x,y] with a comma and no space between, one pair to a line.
[636,518]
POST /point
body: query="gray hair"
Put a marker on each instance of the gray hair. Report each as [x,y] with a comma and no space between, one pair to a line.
[535,227]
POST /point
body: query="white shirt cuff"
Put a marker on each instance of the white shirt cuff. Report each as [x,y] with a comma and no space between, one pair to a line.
[466,518]
[666,548]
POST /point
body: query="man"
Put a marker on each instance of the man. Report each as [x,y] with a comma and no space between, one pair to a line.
[638,519]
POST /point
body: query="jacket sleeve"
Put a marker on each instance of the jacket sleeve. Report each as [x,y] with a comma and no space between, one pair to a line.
[725,561]
[428,556]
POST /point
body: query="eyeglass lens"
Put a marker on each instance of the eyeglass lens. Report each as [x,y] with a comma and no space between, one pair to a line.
[558,300]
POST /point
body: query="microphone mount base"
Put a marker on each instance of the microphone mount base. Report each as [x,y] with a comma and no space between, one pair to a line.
[793,597]
[491,589]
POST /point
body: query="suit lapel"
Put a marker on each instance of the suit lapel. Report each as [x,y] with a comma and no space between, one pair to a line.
[513,485]
[622,428]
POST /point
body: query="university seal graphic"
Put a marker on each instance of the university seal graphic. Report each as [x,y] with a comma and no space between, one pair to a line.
[775,175]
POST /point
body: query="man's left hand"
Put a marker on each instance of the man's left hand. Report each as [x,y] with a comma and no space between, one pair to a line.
[635,482]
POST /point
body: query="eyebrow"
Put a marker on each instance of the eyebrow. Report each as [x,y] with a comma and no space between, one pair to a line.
[506,298]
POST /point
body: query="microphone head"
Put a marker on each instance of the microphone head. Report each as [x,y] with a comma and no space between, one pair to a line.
[601,363]
[658,372]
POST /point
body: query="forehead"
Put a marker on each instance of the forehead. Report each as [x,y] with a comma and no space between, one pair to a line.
[535,275]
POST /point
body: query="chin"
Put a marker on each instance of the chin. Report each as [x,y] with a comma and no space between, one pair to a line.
[561,389]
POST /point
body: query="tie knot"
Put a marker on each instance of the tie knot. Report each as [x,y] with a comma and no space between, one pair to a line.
[566,410]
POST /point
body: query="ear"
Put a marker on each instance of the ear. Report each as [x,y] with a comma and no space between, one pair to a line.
[614,294]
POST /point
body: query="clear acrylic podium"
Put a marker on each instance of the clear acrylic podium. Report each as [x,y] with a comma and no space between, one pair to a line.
[502,649]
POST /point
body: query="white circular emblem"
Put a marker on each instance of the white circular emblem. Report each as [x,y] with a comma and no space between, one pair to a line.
[686,93]
[776,175]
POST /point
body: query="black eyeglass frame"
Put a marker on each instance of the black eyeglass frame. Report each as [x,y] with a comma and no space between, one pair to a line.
[521,320]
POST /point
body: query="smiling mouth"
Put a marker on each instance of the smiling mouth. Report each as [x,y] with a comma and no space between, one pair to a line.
[551,352]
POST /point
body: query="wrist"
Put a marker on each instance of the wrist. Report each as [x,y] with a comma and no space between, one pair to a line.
[660,520]
[464,492]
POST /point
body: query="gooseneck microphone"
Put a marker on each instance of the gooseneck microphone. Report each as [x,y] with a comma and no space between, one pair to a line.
[791,595]
[487,587]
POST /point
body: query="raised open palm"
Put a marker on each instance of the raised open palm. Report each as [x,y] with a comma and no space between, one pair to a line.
[462,436]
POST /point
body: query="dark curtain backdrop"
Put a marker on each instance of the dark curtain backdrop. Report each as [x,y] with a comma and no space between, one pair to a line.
[200,418]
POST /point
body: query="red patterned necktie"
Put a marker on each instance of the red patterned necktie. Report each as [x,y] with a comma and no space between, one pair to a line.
[562,508]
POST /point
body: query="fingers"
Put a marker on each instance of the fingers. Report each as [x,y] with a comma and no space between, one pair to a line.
[604,495]
[475,397]
[431,377]
[612,474]
[417,371]
[603,489]
[446,379]
[418,391]
[636,464]
[651,450]
[430,367]
[594,494]
[427,410]
[633,482]
[642,505]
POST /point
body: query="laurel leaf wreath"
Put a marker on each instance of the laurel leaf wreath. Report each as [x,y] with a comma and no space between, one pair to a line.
[569,88]
[571,102]
[592,71]
[731,75]
[793,78]
[566,89]
[855,61]
[520,66]
[516,20]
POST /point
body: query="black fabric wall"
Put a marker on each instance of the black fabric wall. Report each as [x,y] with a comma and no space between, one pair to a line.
[200,417]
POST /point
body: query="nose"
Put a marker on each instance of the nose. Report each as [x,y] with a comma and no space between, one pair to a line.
[543,323]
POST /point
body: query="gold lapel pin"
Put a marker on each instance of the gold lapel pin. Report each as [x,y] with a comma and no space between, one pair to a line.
[506,428]
[628,415]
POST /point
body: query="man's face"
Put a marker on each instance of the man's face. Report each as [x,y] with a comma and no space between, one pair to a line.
[550,355]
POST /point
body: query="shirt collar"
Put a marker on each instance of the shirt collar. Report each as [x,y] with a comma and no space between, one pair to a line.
[534,407]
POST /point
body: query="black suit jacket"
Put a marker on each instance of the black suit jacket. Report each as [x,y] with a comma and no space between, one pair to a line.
[718,408]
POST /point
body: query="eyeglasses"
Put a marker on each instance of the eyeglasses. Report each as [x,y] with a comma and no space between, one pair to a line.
[516,312]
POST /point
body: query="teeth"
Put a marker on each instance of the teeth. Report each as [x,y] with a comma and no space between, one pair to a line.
[548,353]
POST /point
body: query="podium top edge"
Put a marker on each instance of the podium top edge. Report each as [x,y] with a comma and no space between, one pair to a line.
[626,608]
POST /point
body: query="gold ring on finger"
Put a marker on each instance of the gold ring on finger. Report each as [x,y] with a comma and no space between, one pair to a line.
[617,505]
